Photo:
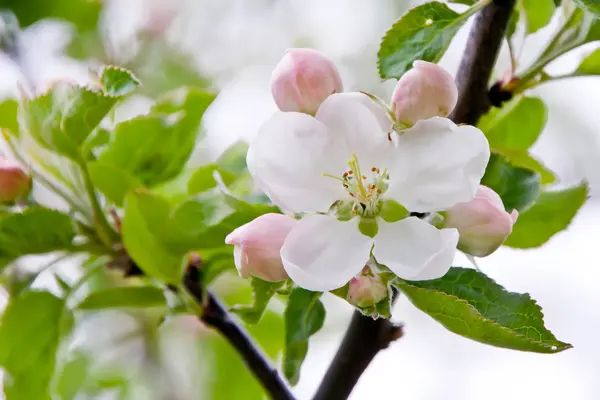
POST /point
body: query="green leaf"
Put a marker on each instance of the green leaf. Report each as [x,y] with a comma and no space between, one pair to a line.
[234,158]
[73,375]
[30,334]
[35,231]
[8,115]
[112,181]
[515,126]
[472,305]
[525,160]
[591,6]
[63,118]
[304,316]
[262,292]
[117,81]
[145,219]
[538,13]
[83,13]
[124,297]
[203,179]
[590,64]
[84,111]
[423,33]
[155,147]
[552,212]
[518,187]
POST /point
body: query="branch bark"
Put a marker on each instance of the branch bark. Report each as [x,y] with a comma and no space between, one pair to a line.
[366,337]
[216,316]
[478,61]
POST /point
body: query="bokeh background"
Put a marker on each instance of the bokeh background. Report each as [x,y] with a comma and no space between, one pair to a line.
[231,46]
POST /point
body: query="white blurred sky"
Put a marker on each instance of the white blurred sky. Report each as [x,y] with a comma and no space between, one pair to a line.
[239,42]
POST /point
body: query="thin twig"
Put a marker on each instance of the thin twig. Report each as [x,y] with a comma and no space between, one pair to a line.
[216,316]
[365,337]
[478,61]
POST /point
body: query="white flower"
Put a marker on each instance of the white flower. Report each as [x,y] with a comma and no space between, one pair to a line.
[346,153]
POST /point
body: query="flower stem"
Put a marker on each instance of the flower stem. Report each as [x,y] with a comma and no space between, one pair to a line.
[105,232]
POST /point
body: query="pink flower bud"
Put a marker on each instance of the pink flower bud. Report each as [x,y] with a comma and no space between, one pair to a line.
[14,182]
[482,223]
[366,290]
[425,91]
[257,246]
[303,79]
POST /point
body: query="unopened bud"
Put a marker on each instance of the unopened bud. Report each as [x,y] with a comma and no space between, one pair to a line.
[14,182]
[425,91]
[257,246]
[366,290]
[482,223]
[303,79]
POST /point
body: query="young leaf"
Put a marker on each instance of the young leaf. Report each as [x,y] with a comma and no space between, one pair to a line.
[155,147]
[518,187]
[304,316]
[515,126]
[203,179]
[30,334]
[538,13]
[61,119]
[423,33]
[145,219]
[472,305]
[262,292]
[35,231]
[117,81]
[124,297]
[551,213]
[112,181]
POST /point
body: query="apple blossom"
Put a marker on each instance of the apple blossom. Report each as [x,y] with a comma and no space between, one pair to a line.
[14,182]
[343,157]
[425,91]
[303,79]
[257,246]
[482,223]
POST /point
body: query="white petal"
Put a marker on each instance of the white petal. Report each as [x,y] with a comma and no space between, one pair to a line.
[288,158]
[322,253]
[437,164]
[414,249]
[378,112]
[357,126]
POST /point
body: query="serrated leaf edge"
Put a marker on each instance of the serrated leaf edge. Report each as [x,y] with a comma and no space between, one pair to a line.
[560,346]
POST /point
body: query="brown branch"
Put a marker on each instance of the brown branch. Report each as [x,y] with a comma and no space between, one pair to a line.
[478,61]
[216,316]
[365,337]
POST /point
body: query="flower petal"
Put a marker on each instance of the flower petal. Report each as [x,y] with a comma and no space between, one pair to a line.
[437,164]
[322,253]
[358,126]
[415,250]
[288,158]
